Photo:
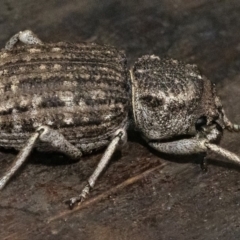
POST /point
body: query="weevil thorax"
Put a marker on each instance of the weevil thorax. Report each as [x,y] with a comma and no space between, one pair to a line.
[169,99]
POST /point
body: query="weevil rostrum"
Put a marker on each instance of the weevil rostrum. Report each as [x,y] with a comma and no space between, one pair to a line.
[76,98]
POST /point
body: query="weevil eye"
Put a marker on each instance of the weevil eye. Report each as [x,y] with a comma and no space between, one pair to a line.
[202,121]
[151,101]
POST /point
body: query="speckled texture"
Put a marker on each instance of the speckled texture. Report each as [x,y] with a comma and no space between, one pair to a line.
[169,97]
[80,89]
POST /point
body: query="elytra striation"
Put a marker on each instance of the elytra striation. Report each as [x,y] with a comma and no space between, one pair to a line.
[80,89]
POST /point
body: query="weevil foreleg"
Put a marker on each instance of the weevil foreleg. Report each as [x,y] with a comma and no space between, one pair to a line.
[26,37]
[44,134]
[180,147]
[193,146]
[119,138]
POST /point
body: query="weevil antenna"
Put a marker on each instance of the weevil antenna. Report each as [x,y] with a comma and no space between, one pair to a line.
[232,127]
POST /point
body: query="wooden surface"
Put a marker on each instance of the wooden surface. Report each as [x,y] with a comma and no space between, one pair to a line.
[158,196]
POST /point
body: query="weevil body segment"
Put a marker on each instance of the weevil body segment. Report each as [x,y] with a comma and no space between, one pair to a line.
[76,98]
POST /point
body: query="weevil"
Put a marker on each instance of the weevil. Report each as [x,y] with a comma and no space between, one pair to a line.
[76,98]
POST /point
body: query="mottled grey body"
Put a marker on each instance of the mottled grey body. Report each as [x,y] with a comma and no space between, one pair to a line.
[82,90]
[76,98]
[169,97]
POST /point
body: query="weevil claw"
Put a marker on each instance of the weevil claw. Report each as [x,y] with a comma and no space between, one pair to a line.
[78,200]
[72,202]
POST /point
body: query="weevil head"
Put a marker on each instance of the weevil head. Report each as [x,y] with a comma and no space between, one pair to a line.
[171,99]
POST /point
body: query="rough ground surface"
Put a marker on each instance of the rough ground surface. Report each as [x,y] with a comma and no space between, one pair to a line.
[177,200]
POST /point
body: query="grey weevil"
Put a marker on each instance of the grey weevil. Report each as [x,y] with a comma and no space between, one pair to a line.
[76,98]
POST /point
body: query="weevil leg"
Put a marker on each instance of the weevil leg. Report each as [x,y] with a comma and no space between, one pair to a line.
[185,146]
[44,134]
[119,138]
[26,37]
[20,159]
[192,146]
[58,142]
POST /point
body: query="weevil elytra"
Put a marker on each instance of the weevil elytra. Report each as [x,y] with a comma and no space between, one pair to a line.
[76,98]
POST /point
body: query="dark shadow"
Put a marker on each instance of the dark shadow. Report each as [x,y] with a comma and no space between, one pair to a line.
[221,163]
[8,150]
[51,158]
[56,158]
